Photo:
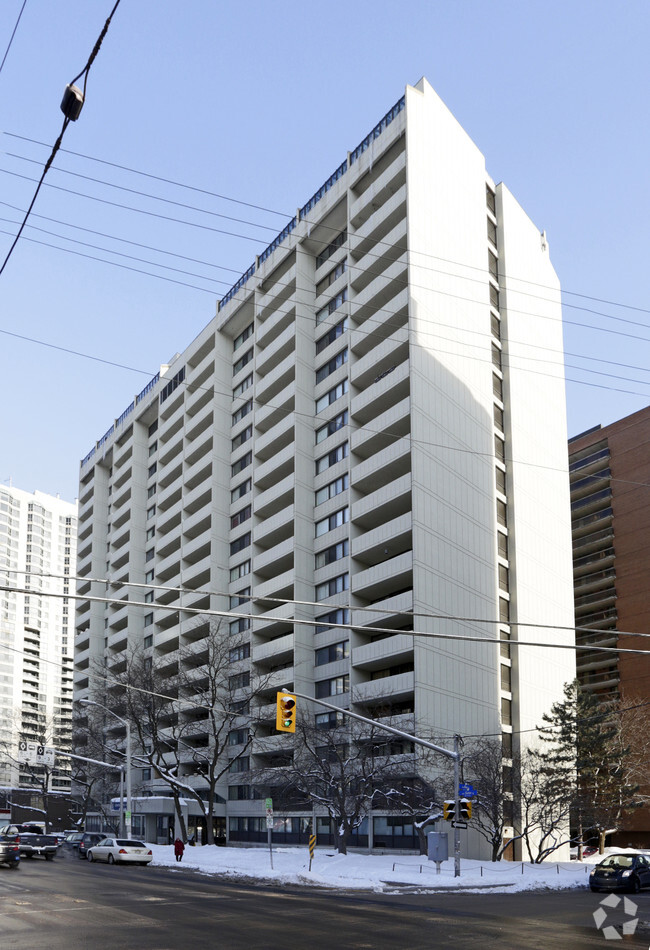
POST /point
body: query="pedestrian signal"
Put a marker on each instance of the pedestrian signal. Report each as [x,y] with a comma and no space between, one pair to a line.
[285,716]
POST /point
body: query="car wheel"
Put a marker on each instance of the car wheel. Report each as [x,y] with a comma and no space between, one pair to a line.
[635,885]
[111,859]
[90,857]
[49,857]
[15,865]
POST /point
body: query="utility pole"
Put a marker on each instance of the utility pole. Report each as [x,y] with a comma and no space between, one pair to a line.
[454,756]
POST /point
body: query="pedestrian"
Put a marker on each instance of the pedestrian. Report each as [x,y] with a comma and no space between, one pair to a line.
[179,848]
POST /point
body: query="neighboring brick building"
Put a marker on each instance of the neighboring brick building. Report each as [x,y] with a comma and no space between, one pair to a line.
[610,509]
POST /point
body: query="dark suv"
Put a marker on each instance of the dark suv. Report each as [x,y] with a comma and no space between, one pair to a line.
[87,840]
[10,851]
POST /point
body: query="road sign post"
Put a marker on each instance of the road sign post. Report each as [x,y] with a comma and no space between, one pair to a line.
[312,845]
[269,826]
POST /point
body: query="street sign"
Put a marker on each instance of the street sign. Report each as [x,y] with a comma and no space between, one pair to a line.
[459,824]
[269,821]
[466,790]
[268,803]
[44,756]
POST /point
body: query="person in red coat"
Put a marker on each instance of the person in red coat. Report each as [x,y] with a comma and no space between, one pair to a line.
[179,848]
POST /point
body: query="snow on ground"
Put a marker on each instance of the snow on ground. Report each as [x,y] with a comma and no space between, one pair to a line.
[376,872]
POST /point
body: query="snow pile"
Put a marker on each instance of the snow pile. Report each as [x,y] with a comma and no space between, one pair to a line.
[374,871]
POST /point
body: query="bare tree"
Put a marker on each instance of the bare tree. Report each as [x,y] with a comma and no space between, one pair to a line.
[498,792]
[415,797]
[182,712]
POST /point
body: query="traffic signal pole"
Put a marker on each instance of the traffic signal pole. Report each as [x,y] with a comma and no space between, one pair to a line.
[454,756]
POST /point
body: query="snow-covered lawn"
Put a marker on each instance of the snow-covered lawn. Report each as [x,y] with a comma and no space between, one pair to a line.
[375,872]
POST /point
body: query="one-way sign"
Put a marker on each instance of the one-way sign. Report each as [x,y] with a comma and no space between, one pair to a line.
[459,824]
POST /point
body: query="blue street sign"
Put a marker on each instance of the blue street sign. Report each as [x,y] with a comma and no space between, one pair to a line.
[466,790]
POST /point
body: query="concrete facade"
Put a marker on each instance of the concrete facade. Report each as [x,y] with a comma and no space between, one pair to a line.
[38,544]
[356,442]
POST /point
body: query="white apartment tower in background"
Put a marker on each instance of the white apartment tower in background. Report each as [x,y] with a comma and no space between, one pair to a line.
[38,548]
[369,438]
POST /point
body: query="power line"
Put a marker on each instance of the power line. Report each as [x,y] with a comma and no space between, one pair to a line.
[84,72]
[287,216]
[11,39]
[367,628]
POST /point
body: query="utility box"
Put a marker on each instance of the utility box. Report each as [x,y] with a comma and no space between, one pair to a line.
[437,846]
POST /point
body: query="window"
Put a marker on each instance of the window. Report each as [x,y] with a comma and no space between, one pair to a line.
[330,491]
[148,641]
[245,384]
[242,437]
[241,597]
[337,518]
[241,463]
[151,512]
[332,306]
[239,680]
[240,543]
[241,570]
[329,338]
[239,793]
[493,265]
[333,687]
[243,336]
[334,586]
[504,610]
[148,597]
[151,553]
[241,490]
[500,480]
[492,231]
[243,411]
[496,356]
[506,679]
[242,764]
[331,396]
[498,416]
[151,533]
[497,386]
[332,426]
[335,651]
[237,736]
[241,625]
[152,469]
[173,384]
[502,513]
[503,578]
[333,275]
[152,448]
[335,363]
[502,545]
[490,199]
[151,491]
[506,712]
[494,297]
[495,325]
[336,455]
[328,720]
[332,248]
[240,517]
[339,616]
[242,361]
[499,448]
[146,775]
[148,577]
[242,652]
[331,554]
[148,620]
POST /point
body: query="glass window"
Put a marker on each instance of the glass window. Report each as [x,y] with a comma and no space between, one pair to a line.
[333,687]
[330,491]
[241,570]
[241,490]
[243,411]
[335,651]
[332,521]
[335,585]
[339,616]
[336,455]
[242,437]
[240,543]
[331,396]
[332,426]
[242,361]
[335,363]
[241,463]
[332,306]
[240,517]
[331,554]
[245,384]
[243,336]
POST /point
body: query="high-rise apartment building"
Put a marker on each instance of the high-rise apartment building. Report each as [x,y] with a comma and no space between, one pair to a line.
[357,455]
[38,547]
[610,510]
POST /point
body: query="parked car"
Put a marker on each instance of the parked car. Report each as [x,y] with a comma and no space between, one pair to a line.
[87,840]
[10,851]
[120,851]
[30,842]
[621,872]
[71,841]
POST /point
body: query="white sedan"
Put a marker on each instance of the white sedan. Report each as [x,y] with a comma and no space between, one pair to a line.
[120,851]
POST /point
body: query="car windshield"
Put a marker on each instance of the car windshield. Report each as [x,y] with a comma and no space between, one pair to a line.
[618,861]
[127,843]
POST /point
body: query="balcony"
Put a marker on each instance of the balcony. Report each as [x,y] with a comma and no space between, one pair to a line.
[277,559]
[381,394]
[276,380]
[274,621]
[276,438]
[196,550]
[391,575]
[273,652]
[382,653]
[390,426]
[169,566]
[279,348]
[169,519]
[276,497]
[271,531]
[386,184]
[382,360]
[386,223]
[197,574]
[198,498]
[281,290]
[380,291]
[198,474]
[283,405]
[392,611]
[277,468]
[394,536]
[389,688]
[280,587]
[198,523]
[384,467]
[373,258]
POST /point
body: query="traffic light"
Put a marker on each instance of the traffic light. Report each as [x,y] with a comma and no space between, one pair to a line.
[285,716]
[449,810]
[465,809]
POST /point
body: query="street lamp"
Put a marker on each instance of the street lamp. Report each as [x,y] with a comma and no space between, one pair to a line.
[127,726]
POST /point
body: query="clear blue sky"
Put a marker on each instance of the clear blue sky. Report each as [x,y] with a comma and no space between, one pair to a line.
[260,102]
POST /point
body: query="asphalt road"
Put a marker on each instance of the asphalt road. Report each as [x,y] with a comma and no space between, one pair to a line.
[68,904]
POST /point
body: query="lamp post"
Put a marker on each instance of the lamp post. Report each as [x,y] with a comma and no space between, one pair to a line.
[127,726]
